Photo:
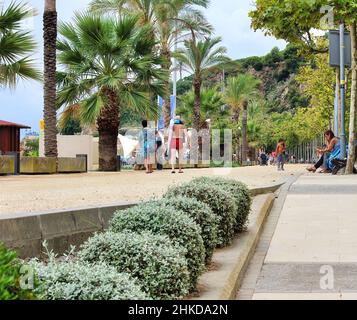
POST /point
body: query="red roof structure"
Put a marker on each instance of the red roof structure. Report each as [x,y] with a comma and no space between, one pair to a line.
[10,136]
[4,123]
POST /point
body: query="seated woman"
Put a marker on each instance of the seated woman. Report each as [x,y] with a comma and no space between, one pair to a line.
[330,152]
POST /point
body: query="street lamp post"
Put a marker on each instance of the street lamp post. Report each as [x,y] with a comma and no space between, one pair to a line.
[343,93]
[340,58]
[175,73]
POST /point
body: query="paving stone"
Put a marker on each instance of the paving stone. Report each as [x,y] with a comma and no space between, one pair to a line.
[316,228]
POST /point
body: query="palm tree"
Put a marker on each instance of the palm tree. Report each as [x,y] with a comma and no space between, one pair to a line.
[171,19]
[198,58]
[239,93]
[15,46]
[212,108]
[146,8]
[108,64]
[50,116]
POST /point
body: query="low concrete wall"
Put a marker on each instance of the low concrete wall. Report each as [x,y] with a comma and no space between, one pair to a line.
[25,233]
[36,165]
[72,165]
[7,165]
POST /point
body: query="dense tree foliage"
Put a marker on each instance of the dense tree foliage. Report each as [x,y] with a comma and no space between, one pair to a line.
[295,20]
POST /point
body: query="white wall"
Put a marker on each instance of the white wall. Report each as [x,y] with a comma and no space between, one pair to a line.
[70,146]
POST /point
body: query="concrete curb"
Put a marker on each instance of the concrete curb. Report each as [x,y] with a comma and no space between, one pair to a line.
[25,232]
[265,190]
[229,264]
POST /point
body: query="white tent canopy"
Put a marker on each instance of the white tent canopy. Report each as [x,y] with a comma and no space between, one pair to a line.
[128,145]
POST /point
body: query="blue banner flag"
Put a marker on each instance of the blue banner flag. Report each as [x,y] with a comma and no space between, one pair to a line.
[161,122]
[173,106]
[160,102]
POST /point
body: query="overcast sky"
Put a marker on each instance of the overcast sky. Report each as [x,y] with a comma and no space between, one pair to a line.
[229,18]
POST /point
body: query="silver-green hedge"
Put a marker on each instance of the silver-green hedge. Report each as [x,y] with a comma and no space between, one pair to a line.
[80,281]
[203,216]
[241,194]
[221,202]
[161,219]
[158,264]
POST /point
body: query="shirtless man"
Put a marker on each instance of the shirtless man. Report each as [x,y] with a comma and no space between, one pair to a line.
[280,153]
[179,134]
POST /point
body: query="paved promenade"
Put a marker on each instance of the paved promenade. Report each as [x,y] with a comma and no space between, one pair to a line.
[308,249]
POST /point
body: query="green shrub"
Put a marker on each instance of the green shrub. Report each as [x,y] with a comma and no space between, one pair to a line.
[160,219]
[203,216]
[80,281]
[10,277]
[241,194]
[158,264]
[221,202]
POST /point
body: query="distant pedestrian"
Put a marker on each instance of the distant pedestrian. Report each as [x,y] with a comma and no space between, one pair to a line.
[147,142]
[271,159]
[280,154]
[274,157]
[160,150]
[179,134]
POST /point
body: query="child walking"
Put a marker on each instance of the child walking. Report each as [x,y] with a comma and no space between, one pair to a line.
[280,153]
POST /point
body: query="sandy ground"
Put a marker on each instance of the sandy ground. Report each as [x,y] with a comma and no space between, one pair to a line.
[20,194]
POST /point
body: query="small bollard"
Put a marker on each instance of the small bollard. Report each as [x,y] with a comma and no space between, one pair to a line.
[16,156]
[119,163]
[83,156]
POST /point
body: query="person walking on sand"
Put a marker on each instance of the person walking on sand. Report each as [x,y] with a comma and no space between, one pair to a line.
[179,134]
[280,154]
[147,144]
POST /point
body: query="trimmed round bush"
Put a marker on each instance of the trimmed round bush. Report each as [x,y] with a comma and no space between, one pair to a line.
[241,194]
[202,214]
[157,263]
[161,219]
[221,203]
[79,281]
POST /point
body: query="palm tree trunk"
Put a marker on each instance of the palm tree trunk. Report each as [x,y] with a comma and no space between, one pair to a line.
[353,110]
[108,129]
[167,98]
[50,115]
[235,118]
[197,84]
[244,132]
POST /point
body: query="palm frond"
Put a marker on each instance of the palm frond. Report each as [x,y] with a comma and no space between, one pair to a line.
[21,69]
[12,16]
[15,46]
